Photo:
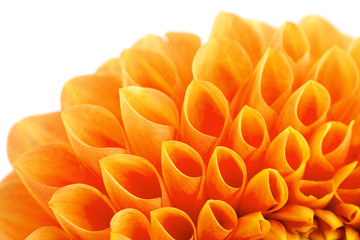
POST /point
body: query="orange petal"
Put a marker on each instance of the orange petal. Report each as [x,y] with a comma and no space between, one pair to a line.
[82,211]
[296,218]
[48,233]
[327,217]
[171,223]
[20,214]
[205,117]
[94,133]
[329,146]
[321,34]
[264,31]
[268,87]
[216,221]
[351,234]
[337,64]
[100,90]
[277,231]
[132,182]
[183,172]
[354,51]
[226,176]
[349,214]
[313,194]
[147,68]
[33,131]
[349,189]
[150,117]
[268,193]
[36,170]
[129,224]
[305,109]
[111,67]
[249,138]
[232,26]
[223,62]
[288,153]
[251,226]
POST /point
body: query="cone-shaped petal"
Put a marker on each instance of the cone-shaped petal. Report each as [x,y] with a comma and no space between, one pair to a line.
[205,118]
[288,153]
[100,90]
[48,233]
[268,88]
[216,221]
[349,214]
[82,211]
[264,31]
[249,138]
[226,176]
[305,109]
[223,62]
[277,231]
[171,223]
[110,68]
[36,170]
[334,65]
[132,182]
[232,26]
[33,131]
[321,34]
[251,226]
[183,171]
[329,146]
[149,117]
[94,133]
[130,224]
[268,193]
[20,214]
[147,68]
[354,51]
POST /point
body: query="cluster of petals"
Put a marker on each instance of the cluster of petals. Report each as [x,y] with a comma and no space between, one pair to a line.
[254,134]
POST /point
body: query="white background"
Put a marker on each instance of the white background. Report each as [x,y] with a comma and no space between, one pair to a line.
[45,43]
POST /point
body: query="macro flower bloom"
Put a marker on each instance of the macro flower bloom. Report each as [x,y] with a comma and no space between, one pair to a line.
[253,135]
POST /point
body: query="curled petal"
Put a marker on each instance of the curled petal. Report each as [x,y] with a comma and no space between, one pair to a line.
[264,31]
[130,224]
[288,153]
[268,87]
[329,146]
[149,117]
[354,50]
[147,68]
[20,214]
[205,118]
[33,131]
[337,64]
[249,138]
[277,231]
[48,233]
[268,193]
[314,194]
[217,220]
[305,109]
[349,214]
[36,170]
[232,26]
[349,189]
[171,223]
[132,182]
[223,62]
[111,67]
[226,176]
[321,34]
[94,133]
[100,90]
[327,217]
[251,226]
[82,211]
[296,218]
[351,234]
[183,171]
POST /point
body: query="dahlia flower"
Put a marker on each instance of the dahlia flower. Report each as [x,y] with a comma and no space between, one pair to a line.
[253,135]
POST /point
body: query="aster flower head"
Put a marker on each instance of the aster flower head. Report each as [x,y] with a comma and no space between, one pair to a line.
[252,135]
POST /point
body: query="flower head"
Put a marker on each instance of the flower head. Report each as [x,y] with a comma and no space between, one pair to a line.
[252,135]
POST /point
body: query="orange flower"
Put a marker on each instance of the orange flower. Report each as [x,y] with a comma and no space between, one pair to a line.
[253,135]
